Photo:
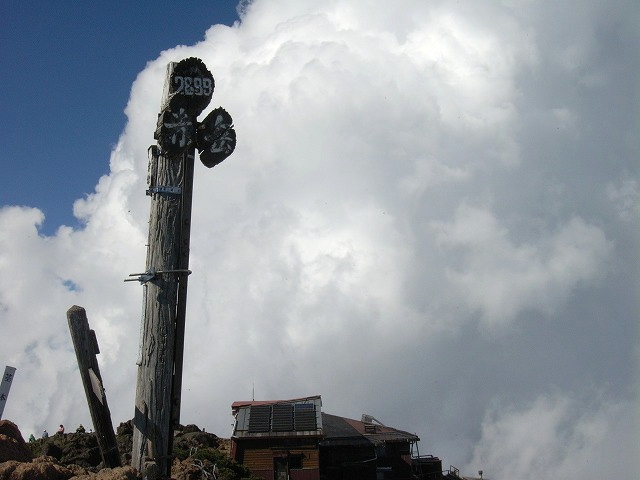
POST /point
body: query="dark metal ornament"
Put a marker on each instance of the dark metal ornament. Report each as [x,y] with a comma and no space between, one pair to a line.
[216,138]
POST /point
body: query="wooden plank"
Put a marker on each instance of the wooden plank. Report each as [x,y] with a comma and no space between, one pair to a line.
[86,347]
[258,459]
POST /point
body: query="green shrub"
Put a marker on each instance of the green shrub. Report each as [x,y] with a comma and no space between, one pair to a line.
[180,453]
[228,469]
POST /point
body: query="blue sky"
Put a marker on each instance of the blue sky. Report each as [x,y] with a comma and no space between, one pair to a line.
[67,68]
[431,216]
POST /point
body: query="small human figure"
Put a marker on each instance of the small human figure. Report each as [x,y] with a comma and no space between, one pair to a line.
[32,438]
[80,429]
[45,434]
[60,430]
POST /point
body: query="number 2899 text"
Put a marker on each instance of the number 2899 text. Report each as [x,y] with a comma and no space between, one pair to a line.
[193,86]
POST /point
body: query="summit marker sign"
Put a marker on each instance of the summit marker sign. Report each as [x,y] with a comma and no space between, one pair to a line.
[5,386]
[188,89]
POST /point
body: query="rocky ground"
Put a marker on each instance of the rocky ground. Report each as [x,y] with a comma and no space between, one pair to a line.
[198,455]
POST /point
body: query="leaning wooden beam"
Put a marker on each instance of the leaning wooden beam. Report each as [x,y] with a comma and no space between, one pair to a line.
[86,347]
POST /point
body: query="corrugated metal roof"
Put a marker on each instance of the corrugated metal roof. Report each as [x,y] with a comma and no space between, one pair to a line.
[340,430]
[247,403]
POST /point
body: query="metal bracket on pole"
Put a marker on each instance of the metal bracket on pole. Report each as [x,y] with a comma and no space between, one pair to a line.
[164,189]
[150,274]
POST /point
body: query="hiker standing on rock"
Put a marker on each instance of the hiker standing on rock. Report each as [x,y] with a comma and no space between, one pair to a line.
[60,430]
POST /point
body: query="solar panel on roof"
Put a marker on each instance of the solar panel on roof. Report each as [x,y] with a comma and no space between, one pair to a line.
[305,416]
[260,418]
[282,417]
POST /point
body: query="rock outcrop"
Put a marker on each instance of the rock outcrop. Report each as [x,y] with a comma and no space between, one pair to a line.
[12,445]
[41,468]
[76,456]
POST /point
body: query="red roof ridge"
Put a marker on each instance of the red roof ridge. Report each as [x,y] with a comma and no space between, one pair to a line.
[247,403]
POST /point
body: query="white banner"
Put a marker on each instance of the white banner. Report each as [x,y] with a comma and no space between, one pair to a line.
[5,386]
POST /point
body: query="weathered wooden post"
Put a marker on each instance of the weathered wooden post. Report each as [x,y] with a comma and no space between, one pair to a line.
[86,347]
[188,89]
[5,386]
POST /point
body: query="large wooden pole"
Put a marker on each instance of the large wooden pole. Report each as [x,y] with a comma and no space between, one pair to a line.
[86,347]
[188,89]
[152,417]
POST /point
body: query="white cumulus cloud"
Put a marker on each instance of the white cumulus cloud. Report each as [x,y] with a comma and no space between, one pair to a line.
[428,211]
